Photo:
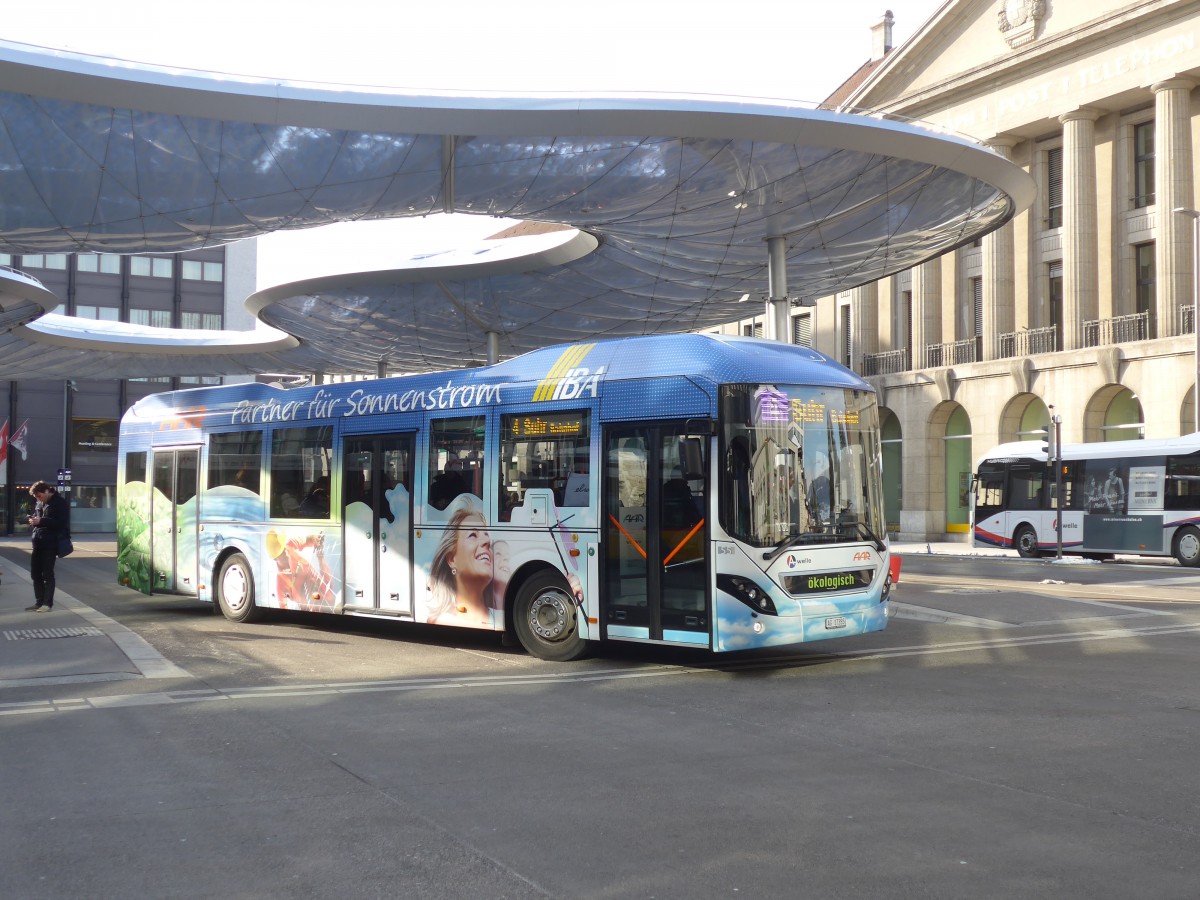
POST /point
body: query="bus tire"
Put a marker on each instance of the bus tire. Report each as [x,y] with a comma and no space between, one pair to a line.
[235,590]
[1026,542]
[1186,548]
[546,618]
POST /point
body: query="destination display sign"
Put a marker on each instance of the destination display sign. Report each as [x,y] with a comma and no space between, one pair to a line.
[547,426]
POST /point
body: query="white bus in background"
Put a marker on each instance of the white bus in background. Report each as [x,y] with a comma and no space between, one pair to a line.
[1131,497]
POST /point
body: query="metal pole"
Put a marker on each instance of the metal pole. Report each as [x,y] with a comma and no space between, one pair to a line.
[493,348]
[1058,495]
[777,285]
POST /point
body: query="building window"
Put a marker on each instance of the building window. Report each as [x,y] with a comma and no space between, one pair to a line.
[1144,290]
[156,318]
[44,261]
[1054,188]
[104,313]
[906,324]
[197,270]
[754,329]
[209,321]
[1143,165]
[847,340]
[107,263]
[200,379]
[977,315]
[1055,298]
[152,266]
[5,259]
[802,330]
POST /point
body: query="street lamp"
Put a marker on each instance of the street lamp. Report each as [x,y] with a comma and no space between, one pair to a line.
[1194,215]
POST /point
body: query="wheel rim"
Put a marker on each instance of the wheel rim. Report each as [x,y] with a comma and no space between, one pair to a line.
[551,616]
[234,588]
[1189,545]
[1027,541]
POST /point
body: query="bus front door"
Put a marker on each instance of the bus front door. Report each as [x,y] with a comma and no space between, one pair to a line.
[655,576]
[173,529]
[377,522]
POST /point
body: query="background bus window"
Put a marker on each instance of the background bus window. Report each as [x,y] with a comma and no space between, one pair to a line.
[551,450]
[455,459]
[990,496]
[1183,483]
[235,458]
[1028,487]
[300,465]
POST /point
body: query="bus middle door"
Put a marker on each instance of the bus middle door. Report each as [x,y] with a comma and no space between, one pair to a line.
[173,520]
[377,522]
[655,571]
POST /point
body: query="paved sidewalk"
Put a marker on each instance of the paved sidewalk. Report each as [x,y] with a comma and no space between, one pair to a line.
[72,644]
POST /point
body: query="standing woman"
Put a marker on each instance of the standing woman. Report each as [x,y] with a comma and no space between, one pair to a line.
[51,520]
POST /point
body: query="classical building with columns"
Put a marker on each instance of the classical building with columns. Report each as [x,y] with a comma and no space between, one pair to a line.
[1082,307]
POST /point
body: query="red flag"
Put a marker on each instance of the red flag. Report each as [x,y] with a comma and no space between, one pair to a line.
[19,437]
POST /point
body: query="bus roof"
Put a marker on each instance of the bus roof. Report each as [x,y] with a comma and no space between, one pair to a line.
[1032,450]
[697,357]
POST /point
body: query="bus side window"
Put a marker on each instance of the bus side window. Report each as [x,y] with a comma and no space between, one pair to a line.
[455,459]
[1028,489]
[1183,483]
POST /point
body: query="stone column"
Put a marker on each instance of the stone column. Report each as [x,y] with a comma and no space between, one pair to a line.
[999,280]
[927,309]
[1172,190]
[1081,280]
[864,317]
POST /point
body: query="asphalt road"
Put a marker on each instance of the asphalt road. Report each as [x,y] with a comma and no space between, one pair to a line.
[1020,730]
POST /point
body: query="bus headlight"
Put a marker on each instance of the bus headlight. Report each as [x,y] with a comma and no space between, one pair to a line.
[748,592]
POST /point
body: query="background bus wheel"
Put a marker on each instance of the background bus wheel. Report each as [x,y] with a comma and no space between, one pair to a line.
[1025,540]
[1187,546]
[545,619]
[235,590]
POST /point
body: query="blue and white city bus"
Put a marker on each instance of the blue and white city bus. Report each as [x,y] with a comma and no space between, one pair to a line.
[692,490]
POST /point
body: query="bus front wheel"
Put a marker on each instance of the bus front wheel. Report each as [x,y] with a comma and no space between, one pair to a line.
[1026,542]
[546,619]
[1187,546]
[235,590]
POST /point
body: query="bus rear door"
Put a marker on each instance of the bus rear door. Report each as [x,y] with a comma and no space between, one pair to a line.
[173,523]
[377,522]
[655,581]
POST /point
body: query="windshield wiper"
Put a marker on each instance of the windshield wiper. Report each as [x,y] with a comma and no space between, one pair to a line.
[863,530]
[800,537]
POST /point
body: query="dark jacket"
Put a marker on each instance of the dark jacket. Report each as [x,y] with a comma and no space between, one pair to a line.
[56,520]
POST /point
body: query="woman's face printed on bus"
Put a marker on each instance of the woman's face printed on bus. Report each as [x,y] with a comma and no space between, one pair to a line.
[473,553]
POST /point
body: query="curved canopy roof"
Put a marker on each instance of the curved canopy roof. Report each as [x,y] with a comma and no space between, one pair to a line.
[672,200]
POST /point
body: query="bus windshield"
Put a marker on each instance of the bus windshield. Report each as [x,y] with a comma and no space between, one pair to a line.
[801,465]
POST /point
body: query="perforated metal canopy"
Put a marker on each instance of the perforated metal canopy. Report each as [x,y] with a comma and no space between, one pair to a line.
[670,202]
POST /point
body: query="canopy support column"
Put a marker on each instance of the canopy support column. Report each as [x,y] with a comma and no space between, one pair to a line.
[493,347]
[777,295]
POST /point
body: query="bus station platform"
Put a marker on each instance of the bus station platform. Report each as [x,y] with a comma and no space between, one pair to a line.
[71,644]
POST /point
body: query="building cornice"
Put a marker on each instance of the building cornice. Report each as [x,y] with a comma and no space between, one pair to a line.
[1019,64]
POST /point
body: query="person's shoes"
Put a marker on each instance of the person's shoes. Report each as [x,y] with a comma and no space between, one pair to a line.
[44,609]
[33,608]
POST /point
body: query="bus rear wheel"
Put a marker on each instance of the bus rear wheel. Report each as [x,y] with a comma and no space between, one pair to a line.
[546,619]
[1187,546]
[1026,542]
[235,590]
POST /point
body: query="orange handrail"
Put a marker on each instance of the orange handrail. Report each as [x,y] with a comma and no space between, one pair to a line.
[687,537]
[628,536]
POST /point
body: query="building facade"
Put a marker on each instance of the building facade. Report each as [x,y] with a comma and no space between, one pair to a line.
[1084,306]
[60,426]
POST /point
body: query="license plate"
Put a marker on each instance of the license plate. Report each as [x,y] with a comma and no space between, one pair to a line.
[835,622]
